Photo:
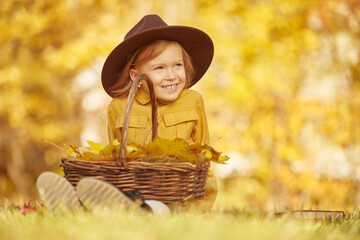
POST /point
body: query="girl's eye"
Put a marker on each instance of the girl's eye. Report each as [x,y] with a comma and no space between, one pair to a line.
[158,68]
[178,65]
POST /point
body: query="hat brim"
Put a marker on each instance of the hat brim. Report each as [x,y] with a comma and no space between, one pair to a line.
[195,42]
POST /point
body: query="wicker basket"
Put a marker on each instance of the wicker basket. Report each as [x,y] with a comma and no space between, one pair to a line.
[169,181]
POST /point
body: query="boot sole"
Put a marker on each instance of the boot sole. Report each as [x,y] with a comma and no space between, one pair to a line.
[95,193]
[56,191]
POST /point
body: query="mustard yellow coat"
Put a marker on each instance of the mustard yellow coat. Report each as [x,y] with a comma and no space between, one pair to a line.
[184,118]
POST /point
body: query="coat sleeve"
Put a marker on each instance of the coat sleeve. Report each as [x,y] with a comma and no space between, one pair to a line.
[113,132]
[111,124]
[201,130]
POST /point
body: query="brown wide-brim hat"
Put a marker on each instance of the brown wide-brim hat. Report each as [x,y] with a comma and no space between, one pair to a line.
[150,28]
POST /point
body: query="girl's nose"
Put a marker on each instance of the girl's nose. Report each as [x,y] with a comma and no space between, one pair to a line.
[170,74]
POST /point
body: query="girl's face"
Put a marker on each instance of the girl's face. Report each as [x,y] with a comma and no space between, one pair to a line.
[166,72]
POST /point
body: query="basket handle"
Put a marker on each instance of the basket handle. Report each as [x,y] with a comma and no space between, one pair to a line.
[121,158]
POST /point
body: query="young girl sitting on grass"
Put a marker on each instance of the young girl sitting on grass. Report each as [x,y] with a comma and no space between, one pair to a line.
[174,58]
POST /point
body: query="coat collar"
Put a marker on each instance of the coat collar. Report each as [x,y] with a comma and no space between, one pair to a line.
[143,97]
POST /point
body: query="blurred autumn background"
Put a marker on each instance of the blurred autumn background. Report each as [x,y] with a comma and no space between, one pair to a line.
[282,94]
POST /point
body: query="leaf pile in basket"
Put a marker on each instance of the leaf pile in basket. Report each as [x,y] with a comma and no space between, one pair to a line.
[177,148]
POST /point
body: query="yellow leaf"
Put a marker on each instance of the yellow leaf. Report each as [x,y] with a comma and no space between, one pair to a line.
[130,149]
[222,159]
[116,142]
[88,156]
[72,151]
[207,154]
[95,147]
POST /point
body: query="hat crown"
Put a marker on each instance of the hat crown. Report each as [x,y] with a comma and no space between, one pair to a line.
[147,22]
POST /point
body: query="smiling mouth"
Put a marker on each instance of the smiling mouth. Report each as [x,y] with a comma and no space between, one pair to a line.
[170,87]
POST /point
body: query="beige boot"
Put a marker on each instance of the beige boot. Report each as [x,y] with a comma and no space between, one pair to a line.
[56,191]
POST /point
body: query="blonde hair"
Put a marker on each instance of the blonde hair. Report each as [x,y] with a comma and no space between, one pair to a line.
[144,54]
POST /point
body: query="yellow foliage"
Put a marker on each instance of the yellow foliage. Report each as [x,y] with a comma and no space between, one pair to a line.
[95,147]
[177,148]
[96,152]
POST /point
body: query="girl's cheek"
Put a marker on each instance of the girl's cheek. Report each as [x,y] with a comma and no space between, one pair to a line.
[182,74]
[155,79]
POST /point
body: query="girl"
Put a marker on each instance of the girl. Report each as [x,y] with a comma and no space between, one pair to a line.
[174,58]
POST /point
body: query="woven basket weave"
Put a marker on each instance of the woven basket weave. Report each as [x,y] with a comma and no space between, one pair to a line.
[168,181]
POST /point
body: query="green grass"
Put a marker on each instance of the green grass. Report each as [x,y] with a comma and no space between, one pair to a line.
[105,224]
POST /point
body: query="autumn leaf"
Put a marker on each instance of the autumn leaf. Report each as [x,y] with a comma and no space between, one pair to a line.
[222,159]
[28,208]
[95,147]
[72,151]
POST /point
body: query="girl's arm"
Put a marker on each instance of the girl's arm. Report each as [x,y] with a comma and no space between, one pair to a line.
[201,129]
[111,125]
